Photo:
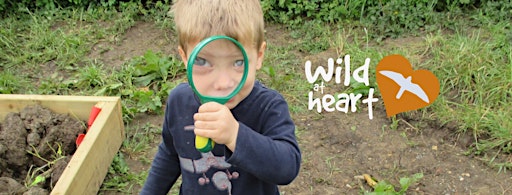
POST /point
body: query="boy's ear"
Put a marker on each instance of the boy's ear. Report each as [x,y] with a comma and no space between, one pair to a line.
[182,55]
[261,55]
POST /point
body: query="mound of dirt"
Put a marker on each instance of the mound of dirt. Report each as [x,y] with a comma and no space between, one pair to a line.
[35,143]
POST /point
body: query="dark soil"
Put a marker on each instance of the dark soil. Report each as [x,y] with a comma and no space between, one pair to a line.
[35,141]
[338,147]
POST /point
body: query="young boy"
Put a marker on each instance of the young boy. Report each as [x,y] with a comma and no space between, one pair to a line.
[256,149]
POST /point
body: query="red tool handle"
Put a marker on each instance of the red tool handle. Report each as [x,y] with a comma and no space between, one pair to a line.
[95,111]
[92,116]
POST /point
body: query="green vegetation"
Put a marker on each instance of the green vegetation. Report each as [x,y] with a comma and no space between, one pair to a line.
[387,18]
[45,48]
[383,187]
[37,175]
[120,178]
[475,71]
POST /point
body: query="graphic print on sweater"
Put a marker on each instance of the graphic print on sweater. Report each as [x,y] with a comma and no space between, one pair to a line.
[221,179]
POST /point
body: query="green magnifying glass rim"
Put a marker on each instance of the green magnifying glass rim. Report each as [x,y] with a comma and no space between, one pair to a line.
[190,65]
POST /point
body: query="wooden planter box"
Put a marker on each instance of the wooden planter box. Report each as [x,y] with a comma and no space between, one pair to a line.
[88,167]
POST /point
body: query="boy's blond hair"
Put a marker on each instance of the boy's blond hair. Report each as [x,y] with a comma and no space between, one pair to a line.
[196,20]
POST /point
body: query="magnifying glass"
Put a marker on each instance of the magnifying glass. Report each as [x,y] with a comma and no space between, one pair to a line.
[225,73]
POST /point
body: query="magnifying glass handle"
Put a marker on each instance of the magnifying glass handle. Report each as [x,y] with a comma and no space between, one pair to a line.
[204,144]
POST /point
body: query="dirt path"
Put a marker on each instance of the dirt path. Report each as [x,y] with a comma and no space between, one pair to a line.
[338,146]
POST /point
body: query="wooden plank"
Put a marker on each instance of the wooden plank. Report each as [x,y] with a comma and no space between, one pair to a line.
[88,167]
[94,155]
[79,106]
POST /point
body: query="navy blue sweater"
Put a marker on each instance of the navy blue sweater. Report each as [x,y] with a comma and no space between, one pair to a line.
[266,155]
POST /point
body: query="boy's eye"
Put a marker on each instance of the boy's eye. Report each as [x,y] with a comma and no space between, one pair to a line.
[239,63]
[200,62]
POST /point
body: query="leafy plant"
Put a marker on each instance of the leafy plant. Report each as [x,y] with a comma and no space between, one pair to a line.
[383,187]
[144,100]
[358,88]
[154,69]
[147,87]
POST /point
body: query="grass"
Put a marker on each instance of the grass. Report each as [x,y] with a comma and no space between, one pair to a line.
[473,65]
[138,138]
[475,71]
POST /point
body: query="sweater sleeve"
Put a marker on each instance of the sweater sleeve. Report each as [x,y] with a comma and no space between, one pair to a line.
[272,154]
[165,168]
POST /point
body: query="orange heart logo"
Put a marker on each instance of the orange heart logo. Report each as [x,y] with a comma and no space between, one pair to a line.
[402,88]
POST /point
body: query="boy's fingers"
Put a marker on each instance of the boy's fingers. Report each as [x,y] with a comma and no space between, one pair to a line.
[205,125]
[210,107]
[207,116]
[203,132]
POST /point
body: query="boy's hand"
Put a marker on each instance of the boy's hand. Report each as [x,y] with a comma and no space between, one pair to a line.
[215,121]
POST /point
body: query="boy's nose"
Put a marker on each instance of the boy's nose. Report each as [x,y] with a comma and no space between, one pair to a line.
[224,82]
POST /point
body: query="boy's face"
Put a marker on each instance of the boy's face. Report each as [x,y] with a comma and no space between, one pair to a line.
[218,68]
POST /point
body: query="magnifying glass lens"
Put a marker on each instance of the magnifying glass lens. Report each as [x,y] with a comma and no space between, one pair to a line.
[218,70]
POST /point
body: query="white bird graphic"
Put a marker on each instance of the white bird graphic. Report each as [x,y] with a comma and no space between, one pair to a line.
[405,84]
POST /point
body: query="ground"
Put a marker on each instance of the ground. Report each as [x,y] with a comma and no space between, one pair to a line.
[336,147]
